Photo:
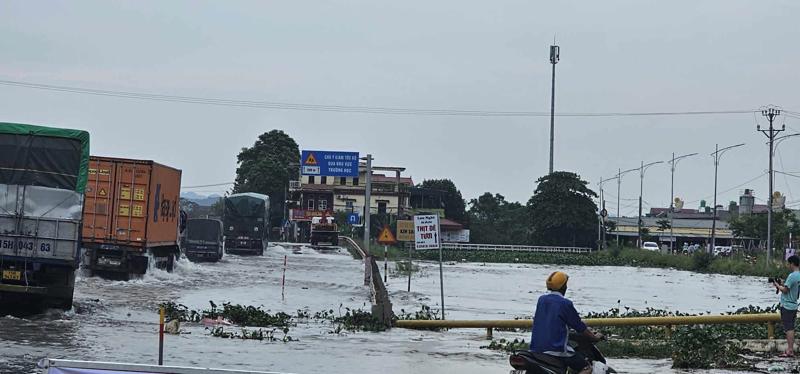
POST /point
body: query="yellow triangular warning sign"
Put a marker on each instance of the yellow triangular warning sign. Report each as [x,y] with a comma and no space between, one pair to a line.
[310,159]
[102,192]
[386,236]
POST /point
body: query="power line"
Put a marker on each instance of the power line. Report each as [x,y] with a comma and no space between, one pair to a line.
[208,185]
[730,189]
[343,108]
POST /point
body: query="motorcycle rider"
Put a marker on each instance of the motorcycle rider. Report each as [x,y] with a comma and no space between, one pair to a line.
[553,317]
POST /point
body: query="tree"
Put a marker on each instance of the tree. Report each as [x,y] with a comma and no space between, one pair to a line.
[493,220]
[187,205]
[755,226]
[454,205]
[266,168]
[216,208]
[562,211]
[663,225]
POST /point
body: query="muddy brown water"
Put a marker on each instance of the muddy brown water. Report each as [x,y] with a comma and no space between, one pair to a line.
[117,320]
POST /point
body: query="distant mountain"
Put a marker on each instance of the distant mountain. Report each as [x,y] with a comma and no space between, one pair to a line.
[201,200]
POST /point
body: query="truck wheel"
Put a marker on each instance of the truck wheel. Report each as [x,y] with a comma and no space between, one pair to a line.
[170,263]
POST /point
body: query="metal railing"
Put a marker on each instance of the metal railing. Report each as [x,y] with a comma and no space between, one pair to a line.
[668,322]
[513,248]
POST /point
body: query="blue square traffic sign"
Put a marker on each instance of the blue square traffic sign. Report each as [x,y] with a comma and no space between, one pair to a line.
[329,163]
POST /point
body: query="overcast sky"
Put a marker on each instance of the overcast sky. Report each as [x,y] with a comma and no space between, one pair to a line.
[616,56]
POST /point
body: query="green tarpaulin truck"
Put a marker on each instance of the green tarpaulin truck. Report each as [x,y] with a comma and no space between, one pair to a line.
[43,173]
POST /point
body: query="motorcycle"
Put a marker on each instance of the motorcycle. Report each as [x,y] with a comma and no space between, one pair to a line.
[525,362]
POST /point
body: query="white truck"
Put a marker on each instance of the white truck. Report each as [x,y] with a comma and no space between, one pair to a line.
[324,230]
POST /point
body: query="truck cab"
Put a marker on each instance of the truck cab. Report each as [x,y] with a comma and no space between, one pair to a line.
[202,240]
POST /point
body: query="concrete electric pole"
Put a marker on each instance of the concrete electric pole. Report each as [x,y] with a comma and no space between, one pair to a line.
[771,133]
[367,198]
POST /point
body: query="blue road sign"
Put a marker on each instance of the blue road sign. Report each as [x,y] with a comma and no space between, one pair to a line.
[353,218]
[329,163]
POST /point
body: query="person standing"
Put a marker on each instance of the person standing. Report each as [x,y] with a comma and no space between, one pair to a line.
[789,290]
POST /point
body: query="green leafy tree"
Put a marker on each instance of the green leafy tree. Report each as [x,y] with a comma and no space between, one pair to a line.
[493,220]
[267,167]
[562,211]
[216,208]
[755,226]
[663,225]
[454,205]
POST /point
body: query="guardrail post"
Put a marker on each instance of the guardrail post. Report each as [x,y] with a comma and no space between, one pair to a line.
[668,331]
[770,330]
[489,333]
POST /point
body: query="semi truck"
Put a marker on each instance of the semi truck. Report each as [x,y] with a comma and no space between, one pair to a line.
[131,217]
[202,239]
[324,230]
[43,173]
[246,221]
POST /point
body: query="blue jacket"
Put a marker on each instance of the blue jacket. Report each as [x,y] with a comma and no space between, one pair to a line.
[554,314]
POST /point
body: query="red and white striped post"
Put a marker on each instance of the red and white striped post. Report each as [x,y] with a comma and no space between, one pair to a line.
[283,279]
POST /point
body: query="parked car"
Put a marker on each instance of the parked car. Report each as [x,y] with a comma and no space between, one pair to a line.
[650,246]
[721,250]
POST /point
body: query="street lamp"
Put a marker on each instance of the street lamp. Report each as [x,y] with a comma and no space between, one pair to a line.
[779,140]
[774,149]
[641,190]
[673,163]
[620,173]
[717,154]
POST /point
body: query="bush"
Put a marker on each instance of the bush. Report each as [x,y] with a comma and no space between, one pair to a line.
[739,264]
[704,348]
[701,260]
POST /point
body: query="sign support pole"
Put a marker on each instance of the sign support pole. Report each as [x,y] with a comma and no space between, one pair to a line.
[441,279]
[385,264]
[161,336]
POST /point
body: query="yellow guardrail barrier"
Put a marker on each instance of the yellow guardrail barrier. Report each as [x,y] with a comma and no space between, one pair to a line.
[668,321]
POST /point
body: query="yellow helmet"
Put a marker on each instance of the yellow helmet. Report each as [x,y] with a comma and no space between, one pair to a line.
[557,280]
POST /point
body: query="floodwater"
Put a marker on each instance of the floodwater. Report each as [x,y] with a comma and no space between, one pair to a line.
[117,321]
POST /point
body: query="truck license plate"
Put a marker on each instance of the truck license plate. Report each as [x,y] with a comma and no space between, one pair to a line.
[12,275]
[518,372]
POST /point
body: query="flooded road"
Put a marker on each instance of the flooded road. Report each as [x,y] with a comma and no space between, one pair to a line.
[117,321]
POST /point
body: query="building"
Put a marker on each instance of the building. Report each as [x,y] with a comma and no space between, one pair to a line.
[691,231]
[316,196]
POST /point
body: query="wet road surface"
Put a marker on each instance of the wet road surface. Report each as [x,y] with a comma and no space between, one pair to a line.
[117,321]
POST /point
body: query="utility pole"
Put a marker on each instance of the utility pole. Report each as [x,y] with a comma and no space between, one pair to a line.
[554,57]
[770,113]
[620,173]
[601,217]
[367,198]
[641,191]
[672,164]
[717,156]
